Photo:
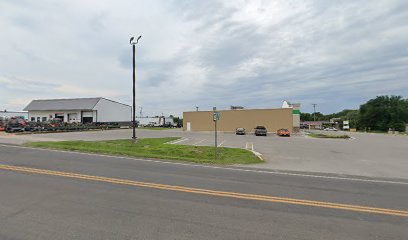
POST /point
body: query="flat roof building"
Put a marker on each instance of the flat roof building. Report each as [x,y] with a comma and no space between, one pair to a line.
[230,120]
[84,110]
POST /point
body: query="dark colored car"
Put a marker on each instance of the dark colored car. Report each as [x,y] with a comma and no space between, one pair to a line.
[260,131]
[240,131]
[283,132]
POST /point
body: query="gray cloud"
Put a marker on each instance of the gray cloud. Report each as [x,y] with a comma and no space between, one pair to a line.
[206,53]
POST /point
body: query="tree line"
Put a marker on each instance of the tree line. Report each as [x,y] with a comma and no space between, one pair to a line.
[378,114]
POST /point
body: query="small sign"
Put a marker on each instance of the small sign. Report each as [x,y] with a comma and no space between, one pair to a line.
[216,116]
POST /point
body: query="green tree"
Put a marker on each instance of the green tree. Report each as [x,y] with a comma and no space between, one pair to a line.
[306,117]
[310,116]
[384,112]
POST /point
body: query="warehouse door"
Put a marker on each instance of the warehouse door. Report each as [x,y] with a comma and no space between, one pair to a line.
[72,117]
[87,117]
[188,126]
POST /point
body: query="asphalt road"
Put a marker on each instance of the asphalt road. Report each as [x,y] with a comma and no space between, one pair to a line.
[119,198]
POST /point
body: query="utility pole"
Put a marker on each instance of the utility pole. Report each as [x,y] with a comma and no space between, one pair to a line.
[314,112]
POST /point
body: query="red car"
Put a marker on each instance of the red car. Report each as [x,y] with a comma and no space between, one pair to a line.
[283,132]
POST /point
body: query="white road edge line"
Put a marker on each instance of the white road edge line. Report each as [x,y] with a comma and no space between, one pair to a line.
[195,144]
[178,141]
[171,142]
[274,172]
[219,145]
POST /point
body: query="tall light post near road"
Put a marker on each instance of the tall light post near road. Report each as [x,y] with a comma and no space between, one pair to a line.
[134,87]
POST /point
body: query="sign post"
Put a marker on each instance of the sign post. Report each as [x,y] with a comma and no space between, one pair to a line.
[215,119]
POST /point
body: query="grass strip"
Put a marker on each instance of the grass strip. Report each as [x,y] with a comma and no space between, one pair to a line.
[154,128]
[156,148]
[321,135]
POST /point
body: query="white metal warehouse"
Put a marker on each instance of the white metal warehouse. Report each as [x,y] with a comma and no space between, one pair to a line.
[85,110]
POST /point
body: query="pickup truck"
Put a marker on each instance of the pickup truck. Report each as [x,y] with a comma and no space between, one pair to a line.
[260,131]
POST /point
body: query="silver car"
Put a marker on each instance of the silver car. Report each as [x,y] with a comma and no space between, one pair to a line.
[240,131]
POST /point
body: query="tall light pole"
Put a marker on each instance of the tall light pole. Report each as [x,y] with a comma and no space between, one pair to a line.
[134,87]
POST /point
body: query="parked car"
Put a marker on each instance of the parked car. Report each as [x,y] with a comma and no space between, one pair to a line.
[240,131]
[260,131]
[283,132]
[330,129]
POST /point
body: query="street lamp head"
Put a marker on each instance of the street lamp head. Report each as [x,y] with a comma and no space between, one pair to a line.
[137,40]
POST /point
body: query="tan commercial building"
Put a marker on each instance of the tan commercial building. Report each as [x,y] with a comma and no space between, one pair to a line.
[230,120]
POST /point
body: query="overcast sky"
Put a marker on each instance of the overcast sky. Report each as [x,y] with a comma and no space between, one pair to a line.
[337,54]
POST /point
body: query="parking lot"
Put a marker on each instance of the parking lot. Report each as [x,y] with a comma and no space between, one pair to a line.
[373,155]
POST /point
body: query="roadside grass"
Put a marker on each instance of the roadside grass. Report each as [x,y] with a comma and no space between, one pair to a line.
[321,135]
[156,148]
[155,128]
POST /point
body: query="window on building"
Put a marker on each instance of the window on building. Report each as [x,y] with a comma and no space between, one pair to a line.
[44,119]
[38,119]
[32,119]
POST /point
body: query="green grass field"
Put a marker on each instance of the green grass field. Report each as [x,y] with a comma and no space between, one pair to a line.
[156,148]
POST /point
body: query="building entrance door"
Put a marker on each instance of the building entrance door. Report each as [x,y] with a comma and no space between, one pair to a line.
[72,117]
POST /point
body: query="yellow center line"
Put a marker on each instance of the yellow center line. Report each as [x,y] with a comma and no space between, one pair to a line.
[355,208]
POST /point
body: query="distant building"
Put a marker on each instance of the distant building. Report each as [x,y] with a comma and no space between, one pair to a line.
[4,115]
[84,110]
[155,121]
[314,124]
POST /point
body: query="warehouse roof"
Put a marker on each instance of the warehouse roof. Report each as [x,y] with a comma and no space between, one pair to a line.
[64,104]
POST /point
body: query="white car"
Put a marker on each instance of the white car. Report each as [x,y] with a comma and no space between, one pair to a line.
[330,129]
